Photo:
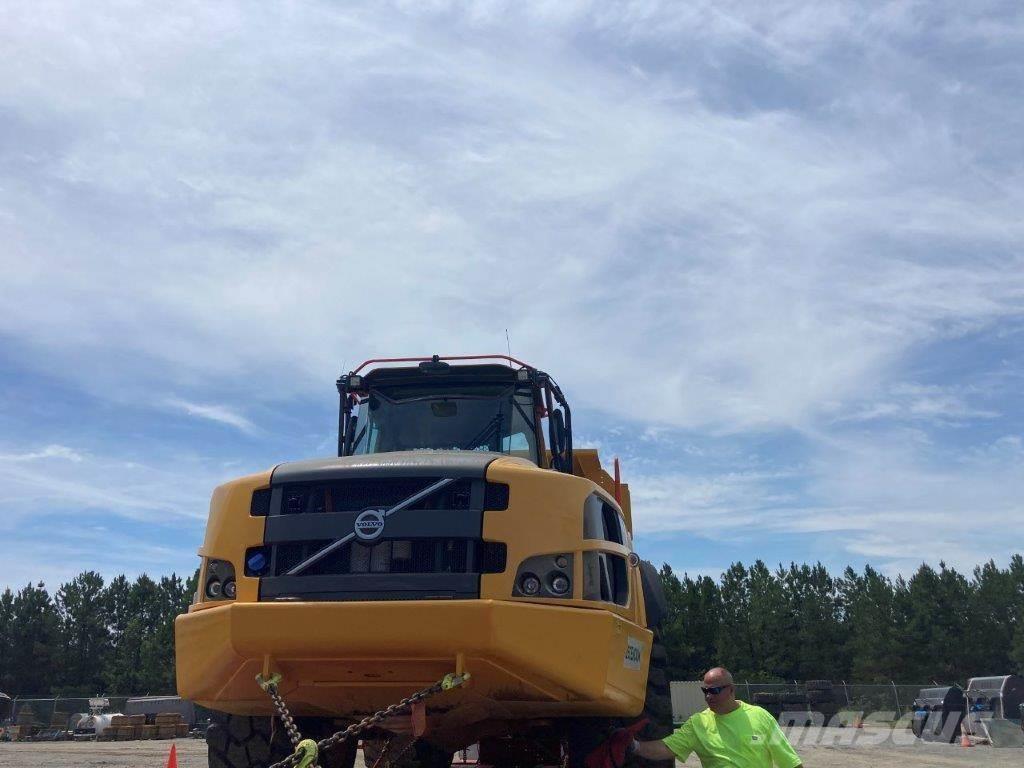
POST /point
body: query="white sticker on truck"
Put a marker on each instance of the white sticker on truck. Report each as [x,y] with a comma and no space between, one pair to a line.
[634,653]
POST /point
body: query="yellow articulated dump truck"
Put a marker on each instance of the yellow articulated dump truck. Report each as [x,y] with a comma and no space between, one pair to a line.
[456,531]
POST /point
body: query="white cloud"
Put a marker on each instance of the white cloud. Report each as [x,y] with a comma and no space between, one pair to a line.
[914,402]
[68,550]
[880,497]
[49,452]
[218,413]
[44,484]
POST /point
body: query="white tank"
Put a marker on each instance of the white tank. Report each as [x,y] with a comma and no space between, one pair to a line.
[94,724]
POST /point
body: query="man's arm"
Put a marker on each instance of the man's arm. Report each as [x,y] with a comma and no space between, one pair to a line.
[652,750]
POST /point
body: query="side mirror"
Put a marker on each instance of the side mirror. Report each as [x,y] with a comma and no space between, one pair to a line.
[557,439]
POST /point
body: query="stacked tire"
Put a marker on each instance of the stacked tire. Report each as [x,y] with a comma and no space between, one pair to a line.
[770,702]
[821,697]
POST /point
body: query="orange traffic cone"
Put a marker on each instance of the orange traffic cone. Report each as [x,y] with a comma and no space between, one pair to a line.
[172,758]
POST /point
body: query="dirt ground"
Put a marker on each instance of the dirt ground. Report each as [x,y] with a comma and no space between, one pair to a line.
[192,754]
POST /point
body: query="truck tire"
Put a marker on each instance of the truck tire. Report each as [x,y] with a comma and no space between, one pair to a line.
[398,753]
[658,702]
[341,755]
[236,741]
[586,734]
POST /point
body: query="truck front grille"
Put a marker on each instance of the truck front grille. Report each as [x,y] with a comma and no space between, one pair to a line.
[430,549]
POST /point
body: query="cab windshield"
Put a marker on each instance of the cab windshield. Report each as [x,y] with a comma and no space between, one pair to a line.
[485,418]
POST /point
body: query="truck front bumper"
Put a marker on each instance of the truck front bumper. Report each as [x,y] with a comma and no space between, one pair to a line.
[350,658]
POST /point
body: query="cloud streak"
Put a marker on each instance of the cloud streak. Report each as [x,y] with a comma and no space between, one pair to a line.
[217,413]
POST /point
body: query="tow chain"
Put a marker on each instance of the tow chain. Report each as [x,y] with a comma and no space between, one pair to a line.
[307,750]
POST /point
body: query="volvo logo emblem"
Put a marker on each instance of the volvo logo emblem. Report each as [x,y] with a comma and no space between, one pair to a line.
[370,524]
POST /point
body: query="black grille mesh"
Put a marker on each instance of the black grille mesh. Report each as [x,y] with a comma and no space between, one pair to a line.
[357,495]
[394,556]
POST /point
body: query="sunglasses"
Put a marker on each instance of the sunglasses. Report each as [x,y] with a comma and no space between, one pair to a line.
[714,690]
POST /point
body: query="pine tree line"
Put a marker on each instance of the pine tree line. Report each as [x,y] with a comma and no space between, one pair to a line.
[801,623]
[795,623]
[90,637]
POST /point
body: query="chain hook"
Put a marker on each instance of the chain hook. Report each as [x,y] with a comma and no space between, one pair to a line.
[266,683]
[306,750]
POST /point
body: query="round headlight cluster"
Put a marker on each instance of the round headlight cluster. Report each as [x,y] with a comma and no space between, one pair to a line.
[529,584]
[559,583]
[220,580]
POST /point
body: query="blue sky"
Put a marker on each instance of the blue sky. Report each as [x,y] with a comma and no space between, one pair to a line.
[772,254]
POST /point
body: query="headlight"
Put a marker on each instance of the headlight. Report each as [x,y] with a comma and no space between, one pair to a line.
[559,583]
[219,574]
[530,584]
[545,576]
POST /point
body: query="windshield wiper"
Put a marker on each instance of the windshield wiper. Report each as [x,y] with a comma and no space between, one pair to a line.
[491,426]
[522,413]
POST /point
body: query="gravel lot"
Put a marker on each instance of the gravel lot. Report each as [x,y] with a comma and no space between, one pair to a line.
[192,754]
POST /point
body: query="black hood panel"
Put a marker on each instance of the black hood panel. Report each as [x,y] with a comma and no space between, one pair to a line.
[453,464]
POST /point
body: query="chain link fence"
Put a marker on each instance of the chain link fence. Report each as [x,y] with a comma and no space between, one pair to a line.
[860,697]
[56,712]
[875,701]
[63,713]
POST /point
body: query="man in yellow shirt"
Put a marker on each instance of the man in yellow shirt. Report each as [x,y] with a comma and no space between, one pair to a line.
[728,734]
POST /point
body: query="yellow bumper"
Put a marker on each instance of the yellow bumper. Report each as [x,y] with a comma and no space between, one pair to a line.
[339,659]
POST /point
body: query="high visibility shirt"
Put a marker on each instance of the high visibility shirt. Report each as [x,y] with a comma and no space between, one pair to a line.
[747,737]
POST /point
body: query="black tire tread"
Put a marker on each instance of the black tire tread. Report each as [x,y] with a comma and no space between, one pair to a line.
[236,741]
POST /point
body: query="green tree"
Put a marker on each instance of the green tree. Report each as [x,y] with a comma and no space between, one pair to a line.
[772,626]
[992,617]
[6,649]
[690,630]
[156,672]
[34,641]
[876,612]
[735,645]
[816,612]
[85,642]
[938,611]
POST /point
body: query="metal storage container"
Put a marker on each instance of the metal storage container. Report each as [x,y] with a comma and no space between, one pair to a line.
[938,713]
[994,697]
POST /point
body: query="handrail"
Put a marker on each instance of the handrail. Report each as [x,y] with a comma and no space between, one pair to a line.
[439,357]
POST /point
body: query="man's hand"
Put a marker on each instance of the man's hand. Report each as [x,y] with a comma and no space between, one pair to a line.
[614,751]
